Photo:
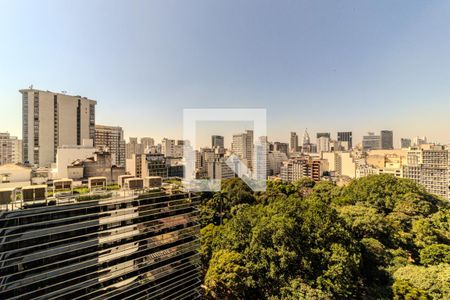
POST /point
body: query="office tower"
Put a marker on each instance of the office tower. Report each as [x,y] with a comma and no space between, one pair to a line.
[131,247]
[217,141]
[405,143]
[345,136]
[323,144]
[10,149]
[242,146]
[50,120]
[323,134]
[371,142]
[294,142]
[111,139]
[387,139]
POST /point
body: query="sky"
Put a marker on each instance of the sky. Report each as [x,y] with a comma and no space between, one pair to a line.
[323,65]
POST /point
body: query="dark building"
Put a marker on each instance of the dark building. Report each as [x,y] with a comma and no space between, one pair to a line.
[345,136]
[387,139]
[135,247]
[405,143]
[323,134]
[217,141]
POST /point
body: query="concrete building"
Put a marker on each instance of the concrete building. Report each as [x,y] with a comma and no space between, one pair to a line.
[133,147]
[66,155]
[387,139]
[323,144]
[99,165]
[294,142]
[10,149]
[275,160]
[137,166]
[371,142]
[281,147]
[346,136]
[323,134]
[418,141]
[111,139]
[218,169]
[242,146]
[405,143]
[430,168]
[217,141]
[147,143]
[51,120]
[305,166]
[123,247]
[340,163]
[172,148]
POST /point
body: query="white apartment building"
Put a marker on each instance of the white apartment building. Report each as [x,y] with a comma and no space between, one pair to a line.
[10,149]
[242,146]
[137,165]
[342,163]
[51,120]
[111,139]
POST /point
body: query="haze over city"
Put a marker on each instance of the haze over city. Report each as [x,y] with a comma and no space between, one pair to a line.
[328,66]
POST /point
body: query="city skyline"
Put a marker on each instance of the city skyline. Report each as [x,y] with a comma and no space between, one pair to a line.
[331,66]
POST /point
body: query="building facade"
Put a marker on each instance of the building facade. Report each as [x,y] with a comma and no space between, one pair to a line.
[50,120]
[217,141]
[10,149]
[346,136]
[242,146]
[294,142]
[387,139]
[111,139]
[371,142]
[118,248]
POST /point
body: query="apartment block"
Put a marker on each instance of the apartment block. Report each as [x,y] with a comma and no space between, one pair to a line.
[242,146]
[111,139]
[50,120]
[10,149]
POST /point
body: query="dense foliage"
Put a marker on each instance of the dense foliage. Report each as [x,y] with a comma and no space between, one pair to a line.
[380,237]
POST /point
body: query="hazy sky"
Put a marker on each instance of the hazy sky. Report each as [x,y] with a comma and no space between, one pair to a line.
[325,65]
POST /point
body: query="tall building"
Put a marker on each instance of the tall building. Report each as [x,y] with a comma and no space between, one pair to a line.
[50,120]
[242,146]
[294,142]
[387,139]
[133,147]
[10,149]
[323,144]
[371,142]
[419,141]
[131,247]
[217,141]
[111,139]
[345,136]
[405,143]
